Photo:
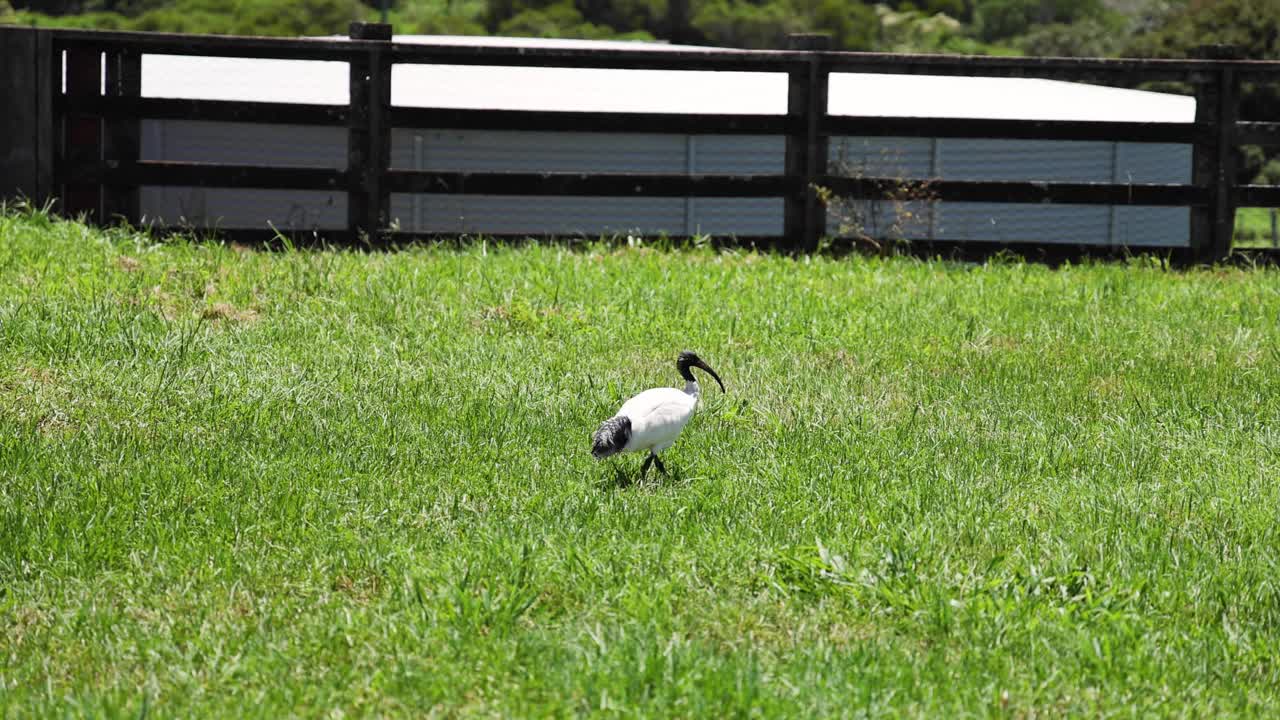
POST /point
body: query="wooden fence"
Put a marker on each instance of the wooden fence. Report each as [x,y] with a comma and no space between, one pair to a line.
[78,143]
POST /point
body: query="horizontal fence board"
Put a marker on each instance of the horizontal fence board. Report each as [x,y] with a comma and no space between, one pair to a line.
[1257,196]
[1258,133]
[1014,129]
[591,185]
[713,59]
[208,110]
[161,173]
[1015,192]
[1265,71]
[590,121]
[331,49]
[1104,70]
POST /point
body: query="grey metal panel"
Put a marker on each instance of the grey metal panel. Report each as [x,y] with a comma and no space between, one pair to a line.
[880,219]
[739,154]
[1148,226]
[538,215]
[499,151]
[881,156]
[244,143]
[1153,163]
[585,215]
[1012,222]
[1008,222]
[1060,161]
[735,216]
[508,151]
[238,208]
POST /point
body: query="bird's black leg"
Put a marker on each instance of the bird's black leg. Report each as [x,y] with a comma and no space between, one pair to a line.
[644,467]
[658,461]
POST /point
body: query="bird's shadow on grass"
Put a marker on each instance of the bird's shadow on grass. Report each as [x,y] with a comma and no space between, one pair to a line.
[621,478]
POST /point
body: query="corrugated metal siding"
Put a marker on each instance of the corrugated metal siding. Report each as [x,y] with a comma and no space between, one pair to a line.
[1137,226]
[492,151]
[508,151]
[1012,160]
[498,151]
[535,215]
[1153,163]
[735,216]
[237,208]
[739,154]
[881,156]
[1024,160]
[244,144]
[583,216]
[881,219]
[1016,222]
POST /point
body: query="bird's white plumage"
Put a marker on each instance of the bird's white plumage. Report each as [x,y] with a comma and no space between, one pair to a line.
[657,417]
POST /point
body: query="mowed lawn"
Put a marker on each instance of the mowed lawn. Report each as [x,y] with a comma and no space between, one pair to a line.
[250,484]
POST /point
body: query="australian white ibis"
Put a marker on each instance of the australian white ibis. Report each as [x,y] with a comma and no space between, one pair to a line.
[653,419]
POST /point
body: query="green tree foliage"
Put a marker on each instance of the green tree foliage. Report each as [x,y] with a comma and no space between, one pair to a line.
[80,7]
[739,23]
[996,20]
[237,17]
[626,15]
[7,15]
[438,17]
[1251,25]
[1091,37]
[743,24]
[561,20]
[914,31]
[968,26]
[852,25]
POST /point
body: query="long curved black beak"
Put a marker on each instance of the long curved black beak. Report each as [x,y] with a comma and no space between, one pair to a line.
[704,366]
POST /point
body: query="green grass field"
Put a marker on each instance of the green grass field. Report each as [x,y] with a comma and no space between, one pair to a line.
[1253,227]
[239,483]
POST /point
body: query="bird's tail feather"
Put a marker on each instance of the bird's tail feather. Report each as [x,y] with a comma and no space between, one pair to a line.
[611,437]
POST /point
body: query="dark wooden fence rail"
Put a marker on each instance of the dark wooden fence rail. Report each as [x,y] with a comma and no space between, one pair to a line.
[81,145]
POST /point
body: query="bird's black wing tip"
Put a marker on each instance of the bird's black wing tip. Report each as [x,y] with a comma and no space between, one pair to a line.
[611,437]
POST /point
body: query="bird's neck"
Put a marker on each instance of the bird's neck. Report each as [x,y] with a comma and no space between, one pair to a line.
[691,388]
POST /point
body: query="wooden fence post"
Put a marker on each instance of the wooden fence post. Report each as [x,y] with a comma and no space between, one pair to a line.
[27,75]
[82,135]
[1214,157]
[369,143]
[122,136]
[805,216]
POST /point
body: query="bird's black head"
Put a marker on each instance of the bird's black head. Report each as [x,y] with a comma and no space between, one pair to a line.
[691,360]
